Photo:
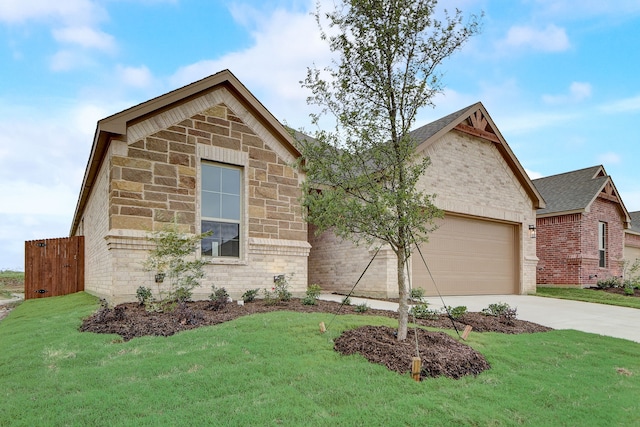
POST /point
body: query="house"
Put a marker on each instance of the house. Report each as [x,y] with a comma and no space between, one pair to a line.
[581,231]
[207,156]
[482,246]
[632,239]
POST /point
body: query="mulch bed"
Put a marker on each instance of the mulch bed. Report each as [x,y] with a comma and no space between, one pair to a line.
[440,354]
[619,291]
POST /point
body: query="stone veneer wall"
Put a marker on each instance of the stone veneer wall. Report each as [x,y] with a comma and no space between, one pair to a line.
[469,176]
[336,265]
[94,225]
[155,181]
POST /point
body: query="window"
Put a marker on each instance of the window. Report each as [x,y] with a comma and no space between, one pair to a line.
[602,243]
[220,210]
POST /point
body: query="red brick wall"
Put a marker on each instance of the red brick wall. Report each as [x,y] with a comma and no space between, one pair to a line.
[557,246]
[609,212]
[567,246]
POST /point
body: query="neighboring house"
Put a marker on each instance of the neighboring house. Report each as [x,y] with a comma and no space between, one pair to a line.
[581,231]
[207,156]
[482,246]
[632,239]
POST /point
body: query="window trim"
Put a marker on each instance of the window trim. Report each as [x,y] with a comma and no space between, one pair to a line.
[222,220]
[230,158]
[602,244]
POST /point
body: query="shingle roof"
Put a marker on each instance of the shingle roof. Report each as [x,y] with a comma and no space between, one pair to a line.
[635,221]
[427,131]
[570,191]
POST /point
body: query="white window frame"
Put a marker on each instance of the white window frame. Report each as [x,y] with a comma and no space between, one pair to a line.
[232,158]
[602,244]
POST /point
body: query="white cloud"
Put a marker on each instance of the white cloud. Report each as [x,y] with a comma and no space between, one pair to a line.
[627,105]
[138,77]
[578,91]
[609,158]
[65,60]
[285,44]
[549,39]
[20,11]
[85,37]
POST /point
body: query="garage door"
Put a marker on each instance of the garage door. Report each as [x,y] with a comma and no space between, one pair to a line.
[468,256]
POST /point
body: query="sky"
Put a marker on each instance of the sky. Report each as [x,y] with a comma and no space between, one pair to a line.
[558,77]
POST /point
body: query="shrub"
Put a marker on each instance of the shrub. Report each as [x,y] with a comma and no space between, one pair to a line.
[496,309]
[219,298]
[144,295]
[503,310]
[346,300]
[422,311]
[250,295]
[629,289]
[361,308]
[416,294]
[457,312]
[279,292]
[172,256]
[313,292]
[610,282]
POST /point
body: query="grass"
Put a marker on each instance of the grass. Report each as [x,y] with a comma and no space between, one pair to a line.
[588,295]
[11,281]
[277,369]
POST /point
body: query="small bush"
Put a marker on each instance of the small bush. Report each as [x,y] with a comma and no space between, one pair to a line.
[219,298]
[313,292]
[144,295]
[629,290]
[416,294]
[250,295]
[610,282]
[422,311]
[457,312]
[361,308]
[496,310]
[346,301]
[180,295]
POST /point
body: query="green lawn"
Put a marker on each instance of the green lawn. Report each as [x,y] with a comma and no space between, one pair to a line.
[277,369]
[588,295]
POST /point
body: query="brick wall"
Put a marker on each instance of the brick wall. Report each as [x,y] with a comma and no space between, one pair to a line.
[568,246]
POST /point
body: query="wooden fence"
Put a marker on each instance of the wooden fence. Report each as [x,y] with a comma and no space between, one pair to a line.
[53,267]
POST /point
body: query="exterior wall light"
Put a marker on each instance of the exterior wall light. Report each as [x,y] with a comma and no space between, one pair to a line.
[532,231]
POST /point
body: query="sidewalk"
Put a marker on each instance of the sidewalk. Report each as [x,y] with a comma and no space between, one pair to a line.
[609,320]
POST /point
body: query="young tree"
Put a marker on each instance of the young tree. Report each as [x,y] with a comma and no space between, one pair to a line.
[366,168]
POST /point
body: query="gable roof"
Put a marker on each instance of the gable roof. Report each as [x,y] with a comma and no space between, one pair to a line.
[116,125]
[575,191]
[475,120]
[635,222]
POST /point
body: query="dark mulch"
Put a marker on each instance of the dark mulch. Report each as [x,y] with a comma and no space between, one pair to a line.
[619,291]
[440,354]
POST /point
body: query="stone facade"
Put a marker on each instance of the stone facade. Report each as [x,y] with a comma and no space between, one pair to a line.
[469,176]
[568,246]
[151,179]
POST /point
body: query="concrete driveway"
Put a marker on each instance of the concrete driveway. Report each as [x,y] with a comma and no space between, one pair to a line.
[609,320]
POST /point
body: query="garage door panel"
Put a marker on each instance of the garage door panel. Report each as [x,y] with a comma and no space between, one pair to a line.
[468,256]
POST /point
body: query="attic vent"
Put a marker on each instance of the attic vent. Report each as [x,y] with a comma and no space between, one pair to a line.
[478,121]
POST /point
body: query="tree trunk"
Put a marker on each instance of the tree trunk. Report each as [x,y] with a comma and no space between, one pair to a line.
[403,306]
